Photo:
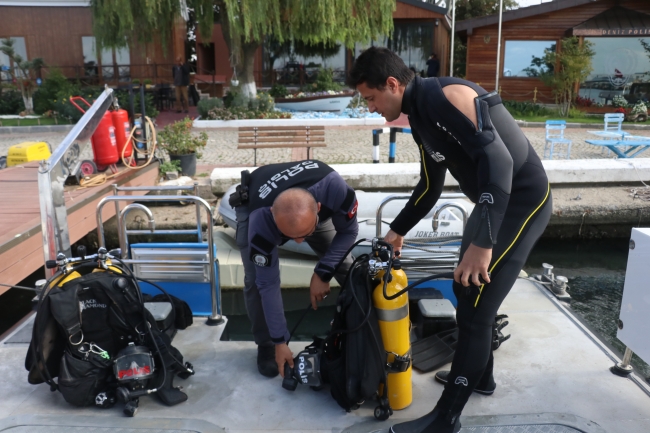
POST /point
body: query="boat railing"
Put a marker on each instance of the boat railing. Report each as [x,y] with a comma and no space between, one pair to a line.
[52,175]
[203,267]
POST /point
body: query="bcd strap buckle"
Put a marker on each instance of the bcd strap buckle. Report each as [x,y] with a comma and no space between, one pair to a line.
[400,363]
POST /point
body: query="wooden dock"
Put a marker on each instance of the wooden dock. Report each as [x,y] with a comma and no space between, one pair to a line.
[21,243]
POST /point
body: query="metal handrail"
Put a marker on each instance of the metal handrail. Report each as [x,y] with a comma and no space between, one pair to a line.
[436,222]
[390,198]
[51,181]
[216,315]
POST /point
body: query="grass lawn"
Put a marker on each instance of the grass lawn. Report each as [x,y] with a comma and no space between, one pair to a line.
[33,122]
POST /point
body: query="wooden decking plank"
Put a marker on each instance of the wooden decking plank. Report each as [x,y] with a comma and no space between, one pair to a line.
[21,245]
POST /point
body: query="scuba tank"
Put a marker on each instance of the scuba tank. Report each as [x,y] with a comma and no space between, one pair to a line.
[394,324]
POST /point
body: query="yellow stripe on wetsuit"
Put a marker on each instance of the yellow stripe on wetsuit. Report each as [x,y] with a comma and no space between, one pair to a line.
[425,174]
[548,190]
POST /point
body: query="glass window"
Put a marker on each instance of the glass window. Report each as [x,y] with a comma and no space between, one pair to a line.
[108,70]
[123,61]
[290,59]
[4,67]
[20,48]
[621,66]
[414,44]
[90,55]
[526,58]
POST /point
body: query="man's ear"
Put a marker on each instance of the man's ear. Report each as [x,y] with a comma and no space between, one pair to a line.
[318,203]
[392,84]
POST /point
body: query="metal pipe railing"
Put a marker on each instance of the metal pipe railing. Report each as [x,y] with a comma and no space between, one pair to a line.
[216,315]
[51,182]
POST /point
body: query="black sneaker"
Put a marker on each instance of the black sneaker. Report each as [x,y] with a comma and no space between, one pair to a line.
[266,361]
[442,377]
[434,421]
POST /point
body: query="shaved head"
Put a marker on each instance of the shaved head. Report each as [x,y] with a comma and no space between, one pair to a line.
[295,212]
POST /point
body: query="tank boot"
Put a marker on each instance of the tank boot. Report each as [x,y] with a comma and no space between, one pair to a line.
[436,421]
[486,385]
[266,364]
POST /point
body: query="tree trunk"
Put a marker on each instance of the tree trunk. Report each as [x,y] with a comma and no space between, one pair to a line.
[243,60]
[29,104]
[247,78]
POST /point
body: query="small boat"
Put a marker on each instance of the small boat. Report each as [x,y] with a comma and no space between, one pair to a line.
[436,237]
[337,102]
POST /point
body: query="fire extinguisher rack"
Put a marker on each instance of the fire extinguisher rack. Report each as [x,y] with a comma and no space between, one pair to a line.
[140,142]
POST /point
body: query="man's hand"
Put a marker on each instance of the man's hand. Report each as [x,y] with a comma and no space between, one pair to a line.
[283,355]
[318,290]
[475,262]
[395,240]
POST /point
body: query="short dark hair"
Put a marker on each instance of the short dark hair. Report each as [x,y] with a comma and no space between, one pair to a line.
[375,65]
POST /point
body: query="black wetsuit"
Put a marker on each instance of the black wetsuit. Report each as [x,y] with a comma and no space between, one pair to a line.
[498,169]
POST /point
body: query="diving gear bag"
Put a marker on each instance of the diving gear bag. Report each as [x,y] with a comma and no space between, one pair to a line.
[354,358]
[87,316]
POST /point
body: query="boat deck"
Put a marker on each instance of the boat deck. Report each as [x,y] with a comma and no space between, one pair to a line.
[21,244]
[551,377]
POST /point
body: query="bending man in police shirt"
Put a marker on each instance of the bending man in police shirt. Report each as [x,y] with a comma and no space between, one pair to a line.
[301,201]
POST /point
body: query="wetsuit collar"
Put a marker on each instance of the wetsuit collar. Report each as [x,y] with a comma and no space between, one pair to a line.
[406,98]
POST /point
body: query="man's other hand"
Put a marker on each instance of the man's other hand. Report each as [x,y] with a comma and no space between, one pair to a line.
[283,355]
[318,290]
[475,262]
[395,240]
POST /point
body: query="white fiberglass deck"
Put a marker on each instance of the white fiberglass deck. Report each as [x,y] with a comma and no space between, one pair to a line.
[549,372]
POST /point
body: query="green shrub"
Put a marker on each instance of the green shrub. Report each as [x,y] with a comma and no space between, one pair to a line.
[278,91]
[265,102]
[325,81]
[245,113]
[177,139]
[170,166]
[205,105]
[149,106]
[55,86]
[11,102]
[64,107]
[525,109]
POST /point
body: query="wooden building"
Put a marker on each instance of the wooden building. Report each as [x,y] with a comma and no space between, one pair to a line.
[421,28]
[60,32]
[618,29]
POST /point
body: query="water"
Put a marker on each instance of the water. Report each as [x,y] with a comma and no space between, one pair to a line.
[348,113]
[596,273]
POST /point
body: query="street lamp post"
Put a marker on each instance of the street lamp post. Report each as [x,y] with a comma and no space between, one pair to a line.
[453,32]
[496,86]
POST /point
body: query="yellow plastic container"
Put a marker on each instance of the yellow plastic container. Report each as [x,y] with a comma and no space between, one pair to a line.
[27,151]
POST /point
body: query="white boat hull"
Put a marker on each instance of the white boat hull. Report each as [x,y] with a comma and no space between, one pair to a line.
[337,104]
[451,223]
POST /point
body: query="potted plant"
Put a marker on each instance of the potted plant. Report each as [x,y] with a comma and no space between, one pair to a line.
[170,169]
[637,113]
[177,140]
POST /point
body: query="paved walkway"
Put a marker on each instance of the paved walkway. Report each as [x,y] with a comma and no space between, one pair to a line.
[344,145]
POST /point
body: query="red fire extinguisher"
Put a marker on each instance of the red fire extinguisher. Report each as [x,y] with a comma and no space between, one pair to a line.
[104,141]
[122,132]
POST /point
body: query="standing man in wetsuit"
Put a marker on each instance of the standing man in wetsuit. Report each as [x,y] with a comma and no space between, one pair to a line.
[301,201]
[460,127]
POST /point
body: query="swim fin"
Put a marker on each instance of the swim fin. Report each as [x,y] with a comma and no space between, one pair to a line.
[433,352]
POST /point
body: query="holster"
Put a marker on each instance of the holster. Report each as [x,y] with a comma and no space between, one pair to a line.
[240,196]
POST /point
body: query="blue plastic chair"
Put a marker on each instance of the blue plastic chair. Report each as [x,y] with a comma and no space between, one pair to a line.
[555,138]
[613,127]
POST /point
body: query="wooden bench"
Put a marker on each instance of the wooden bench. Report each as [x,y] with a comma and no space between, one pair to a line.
[273,137]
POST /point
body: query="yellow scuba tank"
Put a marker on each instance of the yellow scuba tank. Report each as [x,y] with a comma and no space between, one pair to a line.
[394,323]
